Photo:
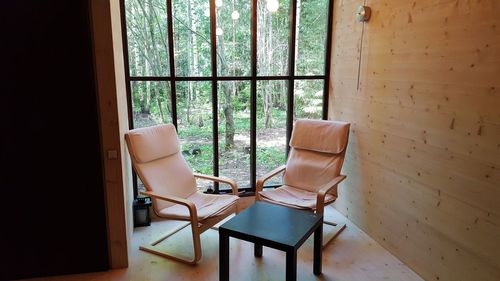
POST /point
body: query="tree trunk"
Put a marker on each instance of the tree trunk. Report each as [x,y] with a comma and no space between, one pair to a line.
[268,89]
[146,102]
[228,96]
[268,107]
[158,101]
[228,113]
[297,34]
[190,63]
[192,44]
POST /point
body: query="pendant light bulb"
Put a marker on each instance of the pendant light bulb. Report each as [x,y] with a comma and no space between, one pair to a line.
[272,5]
[235,15]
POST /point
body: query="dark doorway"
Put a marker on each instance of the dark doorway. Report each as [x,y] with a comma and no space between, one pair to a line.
[53,213]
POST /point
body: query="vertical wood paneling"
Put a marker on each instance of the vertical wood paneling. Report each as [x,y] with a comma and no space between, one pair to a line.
[108,61]
[423,161]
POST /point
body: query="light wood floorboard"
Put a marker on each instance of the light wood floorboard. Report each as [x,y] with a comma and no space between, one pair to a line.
[352,256]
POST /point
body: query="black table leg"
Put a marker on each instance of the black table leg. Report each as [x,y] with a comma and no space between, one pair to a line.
[223,257]
[291,265]
[318,241]
[257,250]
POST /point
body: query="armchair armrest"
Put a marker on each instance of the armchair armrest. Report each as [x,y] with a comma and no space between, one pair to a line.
[177,200]
[323,190]
[232,183]
[264,178]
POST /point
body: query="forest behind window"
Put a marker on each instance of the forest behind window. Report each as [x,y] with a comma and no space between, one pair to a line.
[211,86]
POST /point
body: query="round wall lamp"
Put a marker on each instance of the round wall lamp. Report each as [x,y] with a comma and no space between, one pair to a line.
[363,13]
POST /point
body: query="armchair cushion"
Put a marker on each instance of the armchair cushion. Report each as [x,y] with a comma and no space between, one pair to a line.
[156,156]
[320,135]
[170,175]
[317,153]
[148,144]
[309,170]
[207,206]
[294,197]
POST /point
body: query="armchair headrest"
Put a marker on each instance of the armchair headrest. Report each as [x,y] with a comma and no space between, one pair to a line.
[320,135]
[151,143]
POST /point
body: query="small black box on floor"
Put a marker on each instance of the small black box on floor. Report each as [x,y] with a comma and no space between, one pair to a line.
[141,211]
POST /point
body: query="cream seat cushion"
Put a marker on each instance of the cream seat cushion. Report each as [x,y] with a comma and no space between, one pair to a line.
[309,170]
[320,135]
[207,205]
[294,197]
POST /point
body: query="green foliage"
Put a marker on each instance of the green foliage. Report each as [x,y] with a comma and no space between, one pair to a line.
[308,99]
[201,162]
[279,117]
[311,37]
[270,158]
[147,40]
[195,132]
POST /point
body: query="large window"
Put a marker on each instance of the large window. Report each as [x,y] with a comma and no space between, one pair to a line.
[231,75]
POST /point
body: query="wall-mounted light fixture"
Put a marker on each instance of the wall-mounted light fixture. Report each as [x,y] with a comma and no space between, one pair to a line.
[363,13]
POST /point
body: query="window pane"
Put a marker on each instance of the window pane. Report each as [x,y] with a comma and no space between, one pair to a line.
[311,37]
[151,103]
[192,37]
[308,99]
[271,127]
[234,131]
[194,125]
[273,32]
[147,37]
[233,38]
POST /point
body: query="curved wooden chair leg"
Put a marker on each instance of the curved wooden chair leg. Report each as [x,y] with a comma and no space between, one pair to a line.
[329,235]
[151,248]
[196,242]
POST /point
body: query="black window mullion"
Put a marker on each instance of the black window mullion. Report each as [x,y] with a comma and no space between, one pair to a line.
[127,65]
[127,83]
[291,67]
[253,99]
[170,34]
[150,78]
[328,56]
[225,78]
[215,123]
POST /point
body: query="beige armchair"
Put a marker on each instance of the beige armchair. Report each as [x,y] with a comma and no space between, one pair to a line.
[312,172]
[170,182]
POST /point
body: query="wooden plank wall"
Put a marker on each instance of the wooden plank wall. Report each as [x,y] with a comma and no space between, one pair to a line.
[423,161]
[111,93]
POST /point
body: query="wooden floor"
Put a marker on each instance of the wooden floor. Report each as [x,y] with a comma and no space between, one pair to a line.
[352,256]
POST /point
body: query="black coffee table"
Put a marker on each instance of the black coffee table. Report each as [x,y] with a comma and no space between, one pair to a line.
[273,226]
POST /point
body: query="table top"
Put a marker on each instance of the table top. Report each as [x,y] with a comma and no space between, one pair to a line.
[265,222]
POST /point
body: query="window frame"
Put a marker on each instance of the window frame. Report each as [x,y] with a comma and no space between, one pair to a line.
[214,78]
